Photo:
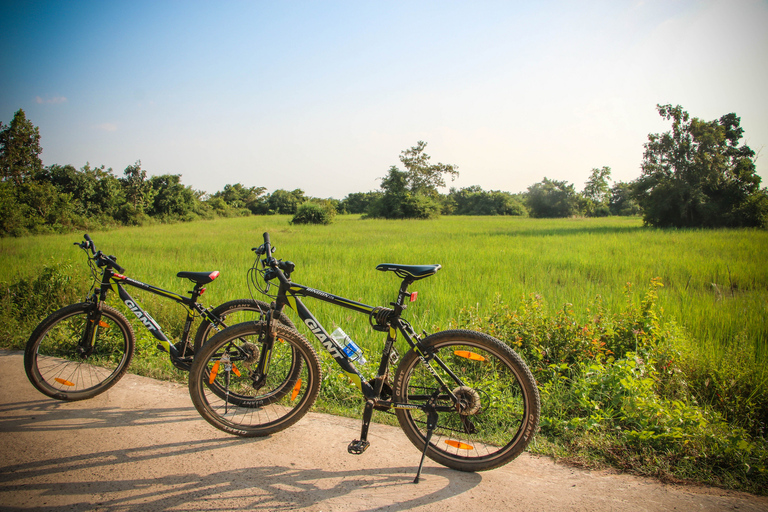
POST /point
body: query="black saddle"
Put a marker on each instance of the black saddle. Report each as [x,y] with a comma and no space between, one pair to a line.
[199,277]
[413,272]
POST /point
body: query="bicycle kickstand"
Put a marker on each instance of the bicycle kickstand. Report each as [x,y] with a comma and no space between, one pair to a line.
[431,424]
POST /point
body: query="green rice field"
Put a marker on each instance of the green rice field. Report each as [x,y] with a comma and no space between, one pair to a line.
[715,281]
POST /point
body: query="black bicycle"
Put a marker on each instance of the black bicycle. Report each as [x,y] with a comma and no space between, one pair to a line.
[83,349]
[464,398]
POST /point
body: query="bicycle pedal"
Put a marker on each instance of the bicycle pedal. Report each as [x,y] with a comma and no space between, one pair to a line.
[358,447]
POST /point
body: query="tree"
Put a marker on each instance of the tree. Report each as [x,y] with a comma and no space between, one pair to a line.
[170,198]
[623,200]
[552,198]
[412,193]
[238,196]
[476,201]
[284,202]
[697,175]
[358,202]
[19,149]
[138,191]
[421,176]
[597,193]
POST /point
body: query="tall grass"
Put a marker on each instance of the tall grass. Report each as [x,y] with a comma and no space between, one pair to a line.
[715,281]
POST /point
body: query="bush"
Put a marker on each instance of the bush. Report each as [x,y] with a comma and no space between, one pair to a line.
[29,300]
[615,390]
[314,213]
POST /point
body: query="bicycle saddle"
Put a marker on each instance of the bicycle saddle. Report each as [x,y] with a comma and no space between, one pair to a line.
[199,277]
[409,271]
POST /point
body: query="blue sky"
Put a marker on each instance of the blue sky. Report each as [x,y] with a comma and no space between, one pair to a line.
[324,96]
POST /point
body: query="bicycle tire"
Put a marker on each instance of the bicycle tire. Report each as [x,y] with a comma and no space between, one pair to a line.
[280,400]
[241,310]
[57,369]
[500,401]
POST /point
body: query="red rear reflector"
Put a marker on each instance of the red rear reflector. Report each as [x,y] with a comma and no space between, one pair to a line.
[413,296]
[459,445]
[469,355]
[64,381]
[296,390]
[213,275]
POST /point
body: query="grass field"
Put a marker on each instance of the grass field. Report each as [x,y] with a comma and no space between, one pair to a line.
[715,281]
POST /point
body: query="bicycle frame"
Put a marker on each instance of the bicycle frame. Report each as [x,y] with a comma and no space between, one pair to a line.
[110,277]
[290,294]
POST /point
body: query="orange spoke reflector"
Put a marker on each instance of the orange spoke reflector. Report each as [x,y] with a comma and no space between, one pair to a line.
[469,355]
[458,444]
[234,369]
[64,381]
[102,323]
[296,390]
[214,372]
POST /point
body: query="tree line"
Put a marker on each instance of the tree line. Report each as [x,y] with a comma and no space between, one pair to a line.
[695,175]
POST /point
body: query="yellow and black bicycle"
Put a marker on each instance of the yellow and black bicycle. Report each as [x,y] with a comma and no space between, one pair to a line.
[83,349]
[464,398]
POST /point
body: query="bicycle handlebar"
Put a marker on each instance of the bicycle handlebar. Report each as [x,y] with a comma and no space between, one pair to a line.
[101,259]
[287,267]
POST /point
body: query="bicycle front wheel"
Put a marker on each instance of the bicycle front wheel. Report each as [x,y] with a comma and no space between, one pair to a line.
[242,385]
[498,403]
[62,365]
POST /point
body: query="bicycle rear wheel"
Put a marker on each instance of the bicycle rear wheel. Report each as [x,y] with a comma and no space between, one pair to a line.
[234,312]
[498,410]
[59,366]
[235,393]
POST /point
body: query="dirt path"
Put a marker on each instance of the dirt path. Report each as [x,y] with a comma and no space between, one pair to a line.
[142,446]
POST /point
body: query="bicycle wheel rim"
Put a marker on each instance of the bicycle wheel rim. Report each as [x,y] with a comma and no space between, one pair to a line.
[61,371]
[493,384]
[223,389]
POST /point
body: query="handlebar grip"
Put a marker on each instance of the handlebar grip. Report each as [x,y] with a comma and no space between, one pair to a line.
[266,239]
[112,263]
[90,243]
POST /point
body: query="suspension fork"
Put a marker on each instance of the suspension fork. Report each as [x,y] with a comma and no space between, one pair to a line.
[266,342]
[93,318]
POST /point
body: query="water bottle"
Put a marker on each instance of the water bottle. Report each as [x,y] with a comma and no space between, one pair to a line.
[349,347]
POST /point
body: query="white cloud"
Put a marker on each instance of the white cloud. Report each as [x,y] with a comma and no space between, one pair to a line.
[51,101]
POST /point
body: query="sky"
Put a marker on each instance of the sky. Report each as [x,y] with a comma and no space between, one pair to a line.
[324,95]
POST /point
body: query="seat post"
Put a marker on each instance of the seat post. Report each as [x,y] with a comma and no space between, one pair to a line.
[400,304]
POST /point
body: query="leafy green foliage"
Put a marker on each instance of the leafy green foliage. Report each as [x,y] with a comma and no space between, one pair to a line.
[358,202]
[552,198]
[313,212]
[615,390]
[412,193]
[476,201]
[697,175]
[30,299]
[597,193]
[19,149]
